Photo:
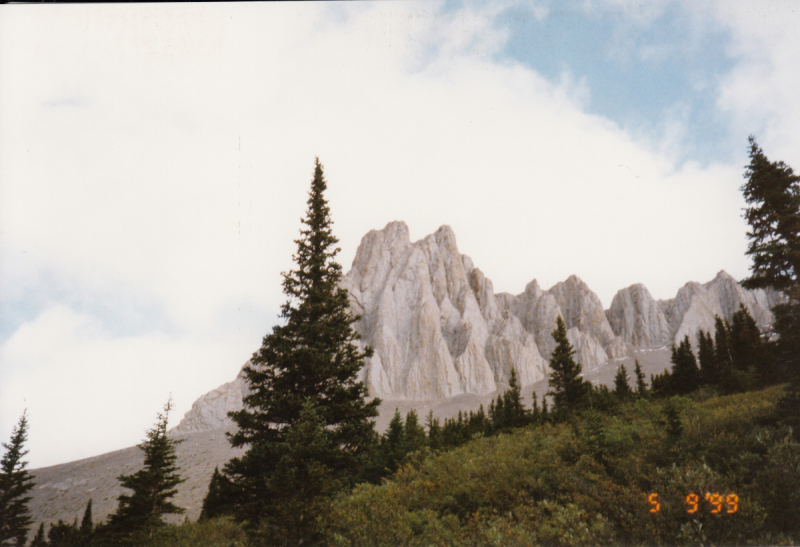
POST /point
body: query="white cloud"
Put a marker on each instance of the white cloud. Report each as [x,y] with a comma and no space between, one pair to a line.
[761,94]
[89,392]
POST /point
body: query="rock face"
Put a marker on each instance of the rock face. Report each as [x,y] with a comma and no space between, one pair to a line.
[637,318]
[433,320]
[695,306]
[211,410]
[439,331]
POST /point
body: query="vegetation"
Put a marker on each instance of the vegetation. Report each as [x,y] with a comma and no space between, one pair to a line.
[307,422]
[567,387]
[152,487]
[15,483]
[587,480]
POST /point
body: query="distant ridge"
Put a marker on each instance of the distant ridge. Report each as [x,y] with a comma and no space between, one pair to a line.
[440,331]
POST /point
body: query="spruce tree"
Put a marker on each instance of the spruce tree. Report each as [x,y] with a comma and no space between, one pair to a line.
[568,389]
[15,483]
[312,357]
[745,340]
[709,373]
[516,416]
[414,433]
[622,389]
[393,443]
[87,526]
[152,487]
[685,374]
[219,500]
[772,192]
[301,483]
[39,539]
[434,432]
[62,534]
[641,385]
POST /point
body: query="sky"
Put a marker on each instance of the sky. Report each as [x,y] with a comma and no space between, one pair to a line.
[155,161]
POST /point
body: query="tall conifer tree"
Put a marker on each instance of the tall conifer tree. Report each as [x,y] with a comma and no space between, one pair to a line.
[152,487]
[772,192]
[641,385]
[685,376]
[622,389]
[15,483]
[312,358]
[568,388]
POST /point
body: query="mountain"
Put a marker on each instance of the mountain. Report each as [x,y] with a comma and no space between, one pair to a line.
[439,330]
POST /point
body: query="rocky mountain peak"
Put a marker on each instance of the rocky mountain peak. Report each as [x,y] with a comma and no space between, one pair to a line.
[439,330]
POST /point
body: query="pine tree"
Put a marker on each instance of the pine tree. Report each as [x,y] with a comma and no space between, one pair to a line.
[62,534]
[745,340]
[39,540]
[414,432]
[568,389]
[220,497]
[709,373]
[622,389]
[15,483]
[434,432]
[536,413]
[312,357]
[516,416]
[685,374]
[393,443]
[301,483]
[152,486]
[641,385]
[772,192]
[86,523]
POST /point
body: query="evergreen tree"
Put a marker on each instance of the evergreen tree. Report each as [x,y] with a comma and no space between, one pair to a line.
[301,484]
[536,413]
[15,483]
[414,432]
[500,418]
[772,192]
[62,534]
[434,432]
[722,348]
[219,500]
[313,356]
[568,389]
[86,521]
[661,384]
[745,340]
[516,415]
[152,487]
[39,540]
[685,374]
[641,385]
[709,373]
[622,388]
[545,416]
[393,443]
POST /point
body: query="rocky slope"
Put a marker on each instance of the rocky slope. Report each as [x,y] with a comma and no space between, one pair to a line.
[439,331]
